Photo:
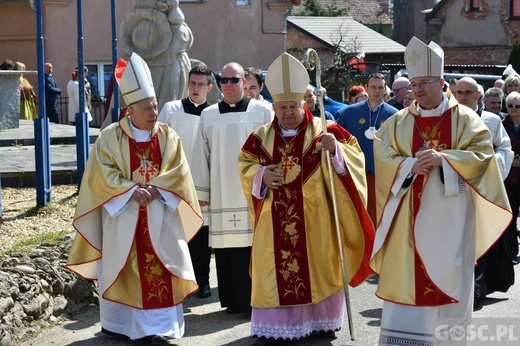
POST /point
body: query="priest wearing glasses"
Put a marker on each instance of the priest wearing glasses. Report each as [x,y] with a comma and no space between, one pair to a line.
[441,204]
[137,209]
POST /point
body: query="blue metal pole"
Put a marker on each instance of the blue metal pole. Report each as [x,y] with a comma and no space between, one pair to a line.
[82,137]
[1,211]
[116,109]
[41,125]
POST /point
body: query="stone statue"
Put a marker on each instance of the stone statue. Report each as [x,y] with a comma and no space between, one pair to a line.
[155,29]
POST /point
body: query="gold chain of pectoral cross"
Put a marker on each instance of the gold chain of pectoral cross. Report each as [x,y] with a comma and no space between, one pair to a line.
[429,135]
[143,155]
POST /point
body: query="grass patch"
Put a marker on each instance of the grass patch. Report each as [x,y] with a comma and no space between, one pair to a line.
[43,210]
[27,244]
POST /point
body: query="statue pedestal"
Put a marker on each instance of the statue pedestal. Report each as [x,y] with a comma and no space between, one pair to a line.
[10,98]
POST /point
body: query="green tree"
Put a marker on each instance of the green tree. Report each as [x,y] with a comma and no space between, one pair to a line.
[514,56]
[334,11]
[313,8]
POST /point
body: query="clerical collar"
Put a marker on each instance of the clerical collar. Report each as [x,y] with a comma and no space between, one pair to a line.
[194,103]
[240,106]
[288,132]
[435,112]
[140,135]
[193,108]
[234,104]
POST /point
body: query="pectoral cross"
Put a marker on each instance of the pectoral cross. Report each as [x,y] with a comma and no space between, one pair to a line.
[287,164]
[144,163]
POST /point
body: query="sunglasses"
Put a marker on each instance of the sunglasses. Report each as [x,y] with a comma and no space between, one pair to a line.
[513,106]
[232,80]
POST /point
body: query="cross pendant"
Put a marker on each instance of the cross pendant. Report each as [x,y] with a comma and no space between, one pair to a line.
[144,163]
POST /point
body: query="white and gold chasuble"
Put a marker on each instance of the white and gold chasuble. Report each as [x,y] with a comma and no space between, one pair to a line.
[146,263]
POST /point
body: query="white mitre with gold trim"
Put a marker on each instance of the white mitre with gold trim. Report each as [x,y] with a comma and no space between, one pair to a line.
[423,60]
[286,79]
[134,79]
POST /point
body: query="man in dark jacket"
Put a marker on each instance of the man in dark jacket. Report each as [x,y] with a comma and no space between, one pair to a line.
[51,95]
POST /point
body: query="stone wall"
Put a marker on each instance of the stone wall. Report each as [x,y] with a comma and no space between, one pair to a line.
[9,99]
[477,55]
[37,292]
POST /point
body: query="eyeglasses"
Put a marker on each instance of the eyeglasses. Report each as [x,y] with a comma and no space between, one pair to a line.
[197,85]
[422,84]
[233,80]
[513,106]
[466,93]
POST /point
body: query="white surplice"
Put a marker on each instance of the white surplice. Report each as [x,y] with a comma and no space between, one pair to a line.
[186,126]
[220,138]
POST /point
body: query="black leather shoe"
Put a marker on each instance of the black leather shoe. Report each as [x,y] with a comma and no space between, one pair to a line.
[160,340]
[231,311]
[204,291]
[271,341]
[328,335]
[112,334]
[324,335]
[155,340]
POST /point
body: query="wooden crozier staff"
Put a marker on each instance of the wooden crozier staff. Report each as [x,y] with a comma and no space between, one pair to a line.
[312,61]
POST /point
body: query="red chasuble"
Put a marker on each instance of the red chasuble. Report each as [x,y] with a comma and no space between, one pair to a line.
[288,212]
[435,133]
[292,271]
[155,279]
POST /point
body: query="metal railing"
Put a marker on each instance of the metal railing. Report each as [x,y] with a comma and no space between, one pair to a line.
[97,111]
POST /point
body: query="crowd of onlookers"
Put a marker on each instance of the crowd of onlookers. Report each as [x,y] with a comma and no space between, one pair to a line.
[28,97]
[28,109]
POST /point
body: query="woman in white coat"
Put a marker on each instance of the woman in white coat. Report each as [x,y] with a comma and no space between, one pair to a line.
[73,93]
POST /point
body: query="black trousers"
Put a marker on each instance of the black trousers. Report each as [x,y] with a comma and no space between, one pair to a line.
[200,254]
[513,194]
[51,110]
[494,271]
[234,282]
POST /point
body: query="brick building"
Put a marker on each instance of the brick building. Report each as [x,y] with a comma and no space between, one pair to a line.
[474,32]
[408,16]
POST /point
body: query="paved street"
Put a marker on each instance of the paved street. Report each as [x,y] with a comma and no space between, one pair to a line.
[207,324]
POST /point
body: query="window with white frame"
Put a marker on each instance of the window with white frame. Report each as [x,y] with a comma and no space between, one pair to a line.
[242,2]
[474,5]
[99,75]
[514,9]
